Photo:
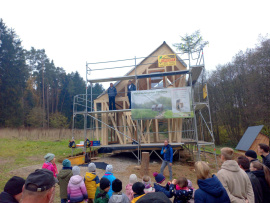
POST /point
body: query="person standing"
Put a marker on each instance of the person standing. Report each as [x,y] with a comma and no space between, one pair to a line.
[112,92]
[235,180]
[63,178]
[244,164]
[131,87]
[167,153]
[13,190]
[263,149]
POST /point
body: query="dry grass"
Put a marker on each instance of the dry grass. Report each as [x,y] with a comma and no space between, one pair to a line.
[41,134]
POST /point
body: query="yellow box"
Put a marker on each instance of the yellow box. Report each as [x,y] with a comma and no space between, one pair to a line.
[76,160]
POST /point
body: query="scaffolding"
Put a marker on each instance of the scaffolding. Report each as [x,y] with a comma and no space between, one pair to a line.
[195,133]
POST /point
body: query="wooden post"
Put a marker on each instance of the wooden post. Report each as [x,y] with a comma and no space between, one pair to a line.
[145,163]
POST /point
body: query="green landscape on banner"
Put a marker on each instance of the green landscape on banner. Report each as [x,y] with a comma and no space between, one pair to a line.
[161,103]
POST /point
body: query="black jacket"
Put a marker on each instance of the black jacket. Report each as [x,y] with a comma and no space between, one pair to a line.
[266,160]
[7,198]
[264,185]
[257,188]
[130,89]
[154,197]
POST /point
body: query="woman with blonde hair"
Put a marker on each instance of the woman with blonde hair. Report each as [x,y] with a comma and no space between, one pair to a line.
[210,188]
[262,173]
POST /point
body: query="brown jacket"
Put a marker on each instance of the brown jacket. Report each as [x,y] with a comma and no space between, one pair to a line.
[236,182]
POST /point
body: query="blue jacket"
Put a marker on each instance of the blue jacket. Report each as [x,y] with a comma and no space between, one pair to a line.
[168,155]
[211,191]
[112,92]
[165,190]
[180,196]
[111,178]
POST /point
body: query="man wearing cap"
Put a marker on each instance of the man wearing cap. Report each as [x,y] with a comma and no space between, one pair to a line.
[131,87]
[251,155]
[39,187]
[112,92]
[13,190]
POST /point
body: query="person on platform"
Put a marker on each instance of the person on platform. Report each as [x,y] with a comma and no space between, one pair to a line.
[112,92]
[263,149]
[13,190]
[235,181]
[244,164]
[167,153]
[131,87]
[251,155]
[39,187]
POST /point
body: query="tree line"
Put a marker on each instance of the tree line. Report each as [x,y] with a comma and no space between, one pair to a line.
[33,91]
[239,93]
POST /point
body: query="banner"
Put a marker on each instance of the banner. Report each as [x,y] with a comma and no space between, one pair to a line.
[161,103]
[167,60]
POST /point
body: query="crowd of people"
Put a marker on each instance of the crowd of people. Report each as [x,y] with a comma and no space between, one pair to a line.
[242,180]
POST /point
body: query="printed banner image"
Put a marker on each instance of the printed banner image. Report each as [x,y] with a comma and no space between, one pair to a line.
[161,103]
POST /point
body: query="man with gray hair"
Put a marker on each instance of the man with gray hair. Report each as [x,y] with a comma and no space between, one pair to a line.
[234,179]
[39,187]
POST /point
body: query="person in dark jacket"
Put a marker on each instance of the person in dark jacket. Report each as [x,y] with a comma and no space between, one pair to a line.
[131,87]
[251,155]
[263,174]
[263,149]
[167,153]
[210,188]
[63,178]
[160,185]
[244,164]
[184,194]
[13,190]
[112,92]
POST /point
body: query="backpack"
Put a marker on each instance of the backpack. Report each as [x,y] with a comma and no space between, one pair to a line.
[72,144]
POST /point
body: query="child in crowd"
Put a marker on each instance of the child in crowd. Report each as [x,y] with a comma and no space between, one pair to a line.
[63,178]
[138,189]
[129,191]
[118,196]
[50,163]
[161,185]
[101,195]
[109,175]
[147,184]
[76,188]
[179,189]
[91,181]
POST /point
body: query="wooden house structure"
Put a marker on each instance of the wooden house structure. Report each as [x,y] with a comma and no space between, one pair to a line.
[251,138]
[147,130]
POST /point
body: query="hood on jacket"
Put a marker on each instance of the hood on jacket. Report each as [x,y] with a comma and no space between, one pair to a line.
[231,165]
[89,176]
[211,186]
[75,180]
[117,198]
[259,173]
[64,173]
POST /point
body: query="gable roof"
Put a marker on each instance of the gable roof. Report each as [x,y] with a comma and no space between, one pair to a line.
[249,137]
[141,63]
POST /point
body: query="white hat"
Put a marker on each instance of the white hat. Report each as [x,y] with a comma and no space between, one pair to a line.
[91,167]
[132,178]
[76,170]
[109,168]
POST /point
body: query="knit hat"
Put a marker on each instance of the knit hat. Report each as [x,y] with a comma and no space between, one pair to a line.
[117,185]
[48,157]
[66,163]
[138,188]
[132,178]
[109,168]
[104,183]
[14,185]
[159,177]
[76,170]
[251,153]
[91,167]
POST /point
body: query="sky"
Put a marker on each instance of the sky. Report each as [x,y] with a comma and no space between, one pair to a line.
[75,32]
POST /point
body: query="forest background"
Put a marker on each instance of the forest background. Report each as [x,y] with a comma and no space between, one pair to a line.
[34,93]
